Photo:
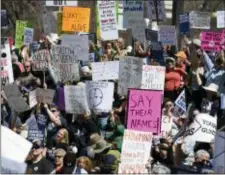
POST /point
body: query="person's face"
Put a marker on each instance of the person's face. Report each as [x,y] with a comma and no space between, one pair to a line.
[108,46]
[163,153]
[58,160]
[169,105]
[36,151]
[81,164]
[55,111]
[179,61]
[60,135]
[169,65]
[27,67]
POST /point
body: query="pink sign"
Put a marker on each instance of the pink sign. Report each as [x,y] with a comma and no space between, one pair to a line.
[144,110]
[210,41]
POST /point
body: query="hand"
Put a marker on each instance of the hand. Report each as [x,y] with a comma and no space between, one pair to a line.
[38,81]
[45,86]
[45,106]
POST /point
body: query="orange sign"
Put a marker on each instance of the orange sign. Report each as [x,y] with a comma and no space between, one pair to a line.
[76,19]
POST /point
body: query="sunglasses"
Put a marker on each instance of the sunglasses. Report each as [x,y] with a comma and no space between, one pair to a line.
[53,110]
[36,147]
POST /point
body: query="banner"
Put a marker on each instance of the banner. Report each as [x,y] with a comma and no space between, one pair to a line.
[4,20]
[61,3]
[50,21]
[6,64]
[220,19]
[166,126]
[64,63]
[76,99]
[20,26]
[18,145]
[100,95]
[108,70]
[79,44]
[219,153]
[107,20]
[199,20]
[184,24]
[130,74]
[40,60]
[144,110]
[167,35]
[131,10]
[153,77]
[28,36]
[181,101]
[151,10]
[203,129]
[136,149]
[76,19]
[151,35]
[210,41]
[45,95]
[157,51]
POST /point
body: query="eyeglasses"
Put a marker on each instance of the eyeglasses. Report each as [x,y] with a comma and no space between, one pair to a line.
[36,147]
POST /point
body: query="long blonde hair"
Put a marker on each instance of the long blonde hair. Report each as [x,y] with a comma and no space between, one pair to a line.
[87,162]
[65,137]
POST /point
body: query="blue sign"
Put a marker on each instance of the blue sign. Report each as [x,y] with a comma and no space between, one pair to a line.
[157,51]
[184,24]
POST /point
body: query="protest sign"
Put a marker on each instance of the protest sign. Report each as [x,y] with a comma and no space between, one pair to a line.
[100,95]
[144,110]
[34,47]
[220,19]
[64,63]
[199,20]
[130,74]
[132,169]
[6,64]
[28,35]
[151,35]
[166,126]
[90,60]
[203,129]
[167,35]
[219,153]
[132,9]
[91,37]
[41,60]
[50,22]
[107,20]
[36,127]
[157,51]
[9,166]
[76,99]
[76,19]
[45,95]
[20,26]
[14,147]
[60,3]
[136,150]
[138,28]
[181,101]
[152,5]
[184,24]
[108,70]
[153,77]
[4,20]
[32,98]
[79,44]
[210,41]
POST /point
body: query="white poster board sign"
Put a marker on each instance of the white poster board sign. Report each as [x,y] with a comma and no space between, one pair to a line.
[181,101]
[199,20]
[28,36]
[14,146]
[32,98]
[65,66]
[6,64]
[76,99]
[153,77]
[203,129]
[136,148]
[130,74]
[9,166]
[219,153]
[100,95]
[107,20]
[108,70]
[167,35]
[166,126]
[220,19]
[80,45]
[61,3]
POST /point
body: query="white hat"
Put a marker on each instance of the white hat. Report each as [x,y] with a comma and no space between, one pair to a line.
[85,69]
[211,87]
[53,38]
[197,42]
[170,58]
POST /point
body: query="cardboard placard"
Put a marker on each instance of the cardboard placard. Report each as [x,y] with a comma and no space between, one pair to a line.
[40,60]
[220,19]
[20,26]
[151,35]
[45,95]
[181,101]
[76,19]
[157,51]
[167,35]
[210,41]
[184,26]
[144,110]
[28,36]
[199,20]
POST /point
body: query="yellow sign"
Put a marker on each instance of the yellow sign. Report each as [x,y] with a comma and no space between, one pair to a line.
[20,26]
[76,19]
